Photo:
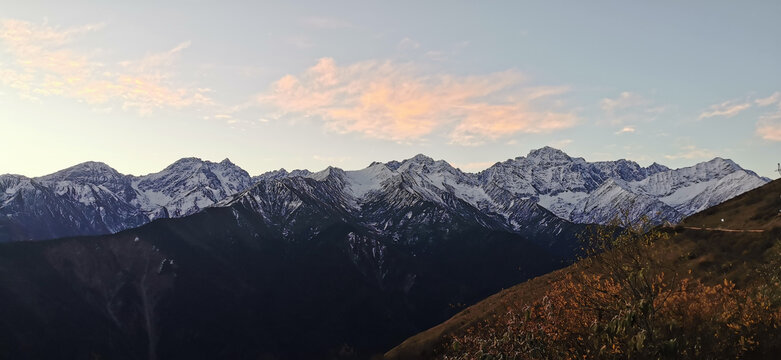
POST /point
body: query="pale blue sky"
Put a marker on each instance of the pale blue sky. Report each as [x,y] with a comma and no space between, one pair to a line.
[309,84]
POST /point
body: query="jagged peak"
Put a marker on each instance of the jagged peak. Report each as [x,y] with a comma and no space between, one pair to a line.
[419,158]
[12,176]
[626,161]
[326,173]
[87,170]
[183,164]
[11,180]
[283,173]
[227,162]
[722,161]
[189,159]
[280,172]
[547,152]
[393,165]
[418,161]
[376,166]
[92,165]
[657,166]
[716,164]
[619,162]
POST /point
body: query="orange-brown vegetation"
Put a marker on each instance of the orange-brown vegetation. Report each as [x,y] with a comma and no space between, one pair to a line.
[687,291]
[629,300]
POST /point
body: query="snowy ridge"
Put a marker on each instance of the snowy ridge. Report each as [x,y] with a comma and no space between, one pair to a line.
[92,198]
[523,194]
[187,186]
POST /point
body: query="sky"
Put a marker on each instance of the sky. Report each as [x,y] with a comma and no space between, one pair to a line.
[308,84]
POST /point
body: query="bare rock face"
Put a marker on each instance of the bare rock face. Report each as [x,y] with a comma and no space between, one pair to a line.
[92,198]
[300,265]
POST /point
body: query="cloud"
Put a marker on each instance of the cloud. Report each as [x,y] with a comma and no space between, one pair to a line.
[629,107]
[769,127]
[775,98]
[626,129]
[154,62]
[546,91]
[407,44]
[691,152]
[725,109]
[491,122]
[325,22]
[624,100]
[45,62]
[393,101]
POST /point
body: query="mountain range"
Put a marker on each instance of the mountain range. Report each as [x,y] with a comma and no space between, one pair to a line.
[201,260]
[735,243]
[92,198]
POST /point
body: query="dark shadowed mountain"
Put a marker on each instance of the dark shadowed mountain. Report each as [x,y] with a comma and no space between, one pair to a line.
[288,269]
[736,241]
[333,264]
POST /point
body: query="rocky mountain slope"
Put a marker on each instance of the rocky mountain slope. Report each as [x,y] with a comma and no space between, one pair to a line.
[294,268]
[736,242]
[92,198]
[404,244]
[597,192]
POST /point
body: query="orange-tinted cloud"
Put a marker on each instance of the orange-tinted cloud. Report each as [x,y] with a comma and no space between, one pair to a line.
[46,63]
[769,127]
[726,109]
[392,101]
[485,122]
[626,129]
[775,98]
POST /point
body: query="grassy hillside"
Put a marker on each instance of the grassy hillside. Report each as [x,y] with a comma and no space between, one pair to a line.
[708,288]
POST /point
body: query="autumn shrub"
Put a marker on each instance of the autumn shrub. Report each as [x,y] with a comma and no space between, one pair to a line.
[623,302]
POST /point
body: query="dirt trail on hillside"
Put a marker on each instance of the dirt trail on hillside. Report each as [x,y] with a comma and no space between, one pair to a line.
[724,230]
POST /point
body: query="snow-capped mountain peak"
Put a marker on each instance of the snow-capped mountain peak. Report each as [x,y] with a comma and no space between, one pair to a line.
[93,198]
[90,171]
[417,162]
[548,154]
[372,178]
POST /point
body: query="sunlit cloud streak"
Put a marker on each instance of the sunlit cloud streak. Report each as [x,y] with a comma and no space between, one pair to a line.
[46,63]
[725,109]
[625,130]
[392,101]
